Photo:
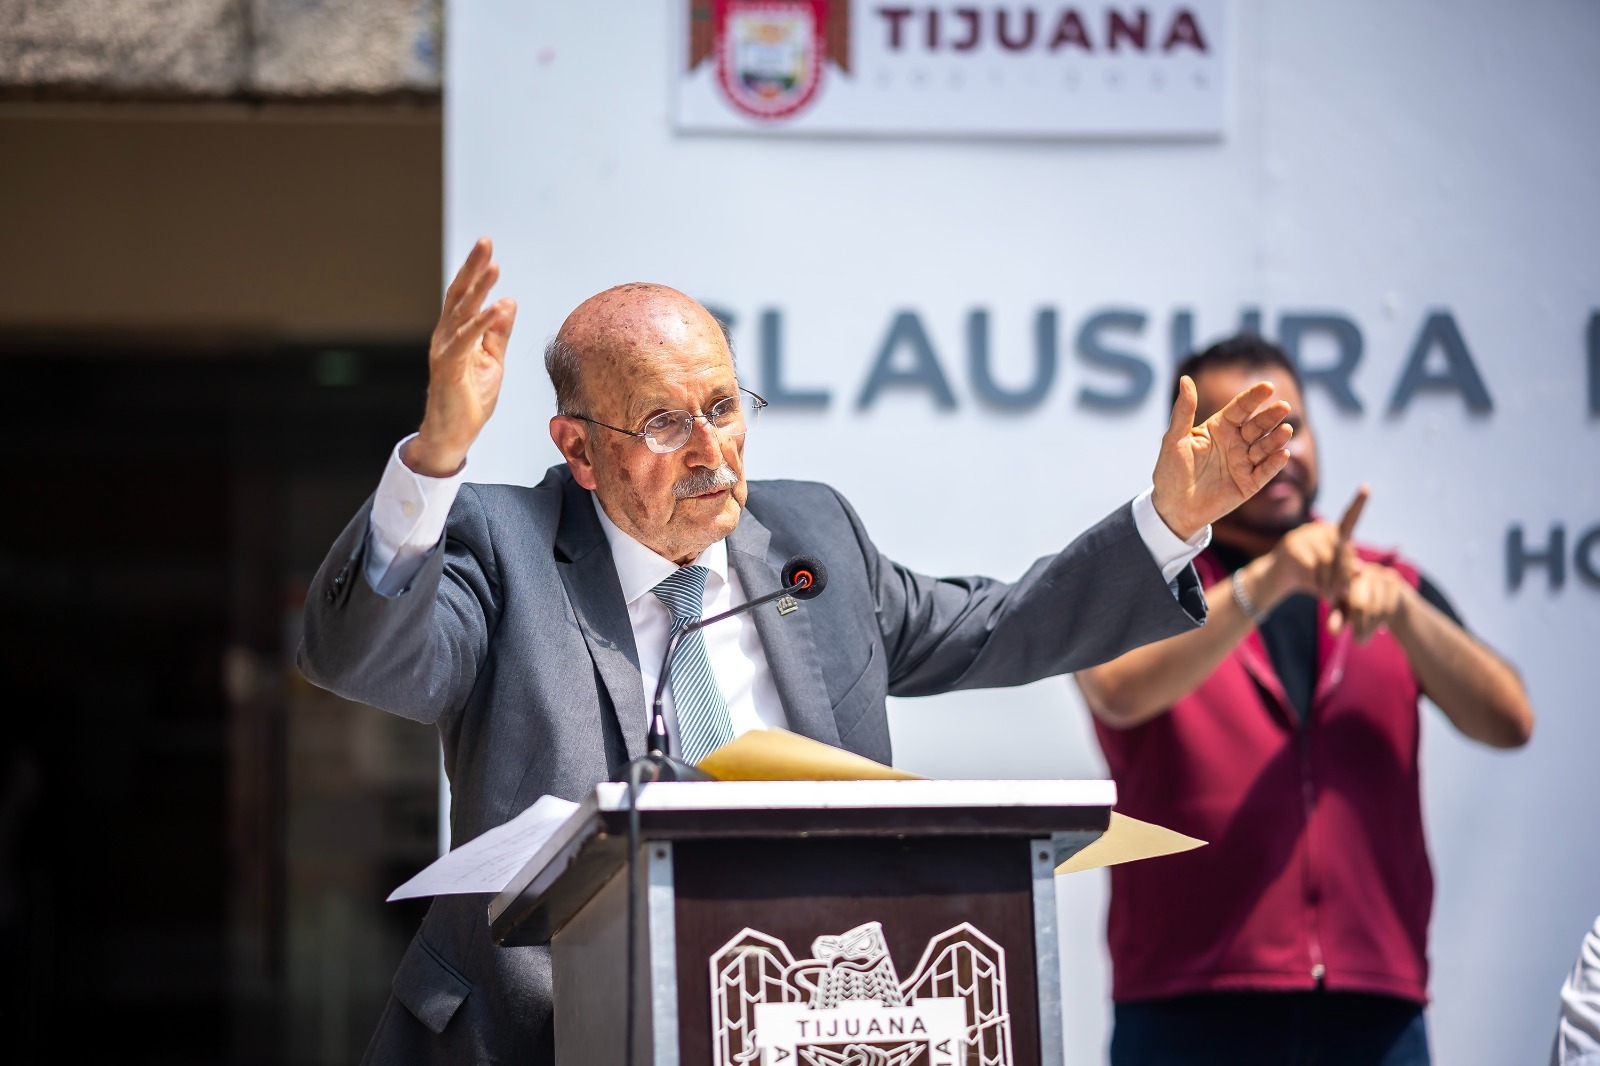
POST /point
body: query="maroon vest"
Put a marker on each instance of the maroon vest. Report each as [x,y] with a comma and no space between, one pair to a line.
[1316,867]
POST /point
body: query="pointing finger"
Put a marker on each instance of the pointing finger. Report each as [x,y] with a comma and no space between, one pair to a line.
[1346,565]
[1352,513]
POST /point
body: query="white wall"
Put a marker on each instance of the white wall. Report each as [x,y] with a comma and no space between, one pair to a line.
[1383,160]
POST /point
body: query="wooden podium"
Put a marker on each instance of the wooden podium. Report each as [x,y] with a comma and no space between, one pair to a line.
[809,923]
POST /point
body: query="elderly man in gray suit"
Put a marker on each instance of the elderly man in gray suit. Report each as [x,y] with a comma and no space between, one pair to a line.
[528,624]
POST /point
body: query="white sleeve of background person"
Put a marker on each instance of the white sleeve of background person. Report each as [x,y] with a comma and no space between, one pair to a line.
[1578,1032]
[1171,552]
[408,518]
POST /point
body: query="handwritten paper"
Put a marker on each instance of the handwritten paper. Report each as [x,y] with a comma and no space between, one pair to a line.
[488,862]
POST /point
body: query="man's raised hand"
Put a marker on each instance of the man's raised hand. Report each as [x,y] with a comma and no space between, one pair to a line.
[466,364]
[1205,471]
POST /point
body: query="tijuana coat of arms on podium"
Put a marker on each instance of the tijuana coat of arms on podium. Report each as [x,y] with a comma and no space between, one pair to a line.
[846,1005]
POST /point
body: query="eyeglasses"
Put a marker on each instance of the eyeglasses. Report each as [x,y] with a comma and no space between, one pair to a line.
[668,431]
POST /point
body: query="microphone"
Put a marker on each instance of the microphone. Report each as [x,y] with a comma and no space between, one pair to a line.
[803,577]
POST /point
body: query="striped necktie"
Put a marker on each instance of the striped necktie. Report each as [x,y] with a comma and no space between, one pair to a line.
[703,721]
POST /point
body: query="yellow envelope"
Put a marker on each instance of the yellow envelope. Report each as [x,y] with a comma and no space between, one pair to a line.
[1128,840]
[779,755]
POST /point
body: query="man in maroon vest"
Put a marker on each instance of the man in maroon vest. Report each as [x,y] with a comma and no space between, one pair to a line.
[1285,732]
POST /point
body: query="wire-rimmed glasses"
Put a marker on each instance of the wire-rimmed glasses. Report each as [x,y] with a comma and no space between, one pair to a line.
[668,431]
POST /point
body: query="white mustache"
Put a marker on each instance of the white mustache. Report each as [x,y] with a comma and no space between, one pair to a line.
[705,480]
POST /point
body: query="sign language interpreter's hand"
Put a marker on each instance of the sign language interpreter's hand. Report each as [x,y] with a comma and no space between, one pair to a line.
[1314,557]
[1373,595]
[466,363]
[1205,471]
[1378,596]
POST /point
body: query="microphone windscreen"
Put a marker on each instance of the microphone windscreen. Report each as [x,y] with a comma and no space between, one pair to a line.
[805,567]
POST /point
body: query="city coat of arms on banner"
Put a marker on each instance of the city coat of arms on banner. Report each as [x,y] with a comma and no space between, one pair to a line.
[847,1006]
[769,54]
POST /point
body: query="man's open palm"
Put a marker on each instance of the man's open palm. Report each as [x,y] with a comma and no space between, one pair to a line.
[1205,471]
[466,364]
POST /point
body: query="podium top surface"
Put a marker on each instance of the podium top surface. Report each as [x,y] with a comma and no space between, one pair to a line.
[758,797]
[592,845]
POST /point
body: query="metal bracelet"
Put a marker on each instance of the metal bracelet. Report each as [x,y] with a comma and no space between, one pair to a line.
[1247,605]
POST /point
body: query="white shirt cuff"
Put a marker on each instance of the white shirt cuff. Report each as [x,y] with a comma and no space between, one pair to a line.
[1171,552]
[408,519]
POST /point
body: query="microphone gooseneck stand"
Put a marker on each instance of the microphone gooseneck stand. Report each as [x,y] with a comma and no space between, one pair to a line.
[803,577]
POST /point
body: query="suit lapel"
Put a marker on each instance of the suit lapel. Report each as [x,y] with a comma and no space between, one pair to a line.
[584,560]
[787,640]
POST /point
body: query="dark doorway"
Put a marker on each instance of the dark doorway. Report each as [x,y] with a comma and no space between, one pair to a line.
[194,843]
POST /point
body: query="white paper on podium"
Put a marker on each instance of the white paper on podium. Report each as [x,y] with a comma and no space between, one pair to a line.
[488,862]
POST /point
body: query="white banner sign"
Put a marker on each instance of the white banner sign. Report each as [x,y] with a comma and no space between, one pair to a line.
[973,339]
[982,69]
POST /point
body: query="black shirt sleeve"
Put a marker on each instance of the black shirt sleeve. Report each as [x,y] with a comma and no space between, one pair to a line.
[1430,592]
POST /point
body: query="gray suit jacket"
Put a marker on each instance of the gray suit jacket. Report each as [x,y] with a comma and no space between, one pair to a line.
[515,642]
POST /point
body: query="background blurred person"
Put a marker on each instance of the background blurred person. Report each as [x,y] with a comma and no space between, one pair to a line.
[1285,733]
[1578,1031]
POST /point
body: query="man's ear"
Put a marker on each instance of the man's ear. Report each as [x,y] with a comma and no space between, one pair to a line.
[571,437]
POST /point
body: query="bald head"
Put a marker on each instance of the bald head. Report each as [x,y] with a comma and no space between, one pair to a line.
[626,357]
[611,336]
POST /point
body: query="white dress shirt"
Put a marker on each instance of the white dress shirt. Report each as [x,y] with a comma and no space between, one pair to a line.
[408,520]
[733,646]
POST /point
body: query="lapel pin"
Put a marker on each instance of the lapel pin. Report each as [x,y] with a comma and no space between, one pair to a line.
[788,605]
